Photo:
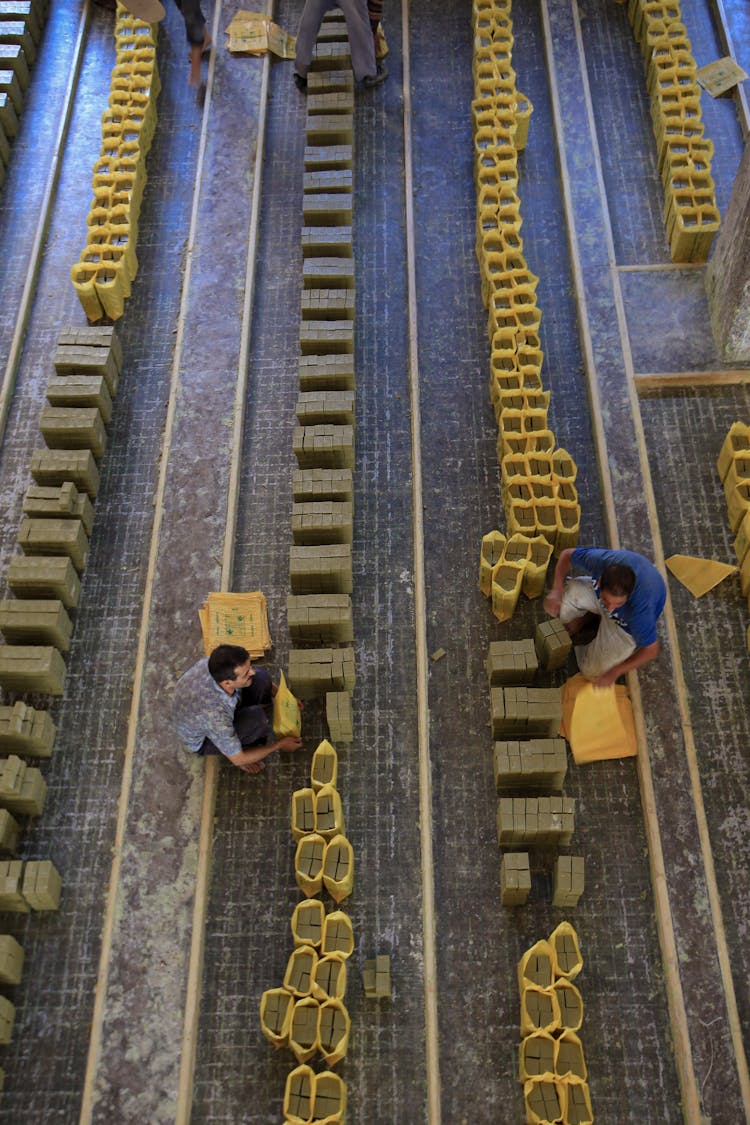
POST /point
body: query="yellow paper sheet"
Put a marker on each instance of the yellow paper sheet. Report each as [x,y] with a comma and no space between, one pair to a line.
[597,722]
[253,33]
[236,619]
[718,77]
[698,575]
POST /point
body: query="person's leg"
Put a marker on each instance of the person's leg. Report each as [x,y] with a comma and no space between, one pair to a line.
[252,725]
[197,35]
[307,33]
[208,749]
[361,42]
[258,690]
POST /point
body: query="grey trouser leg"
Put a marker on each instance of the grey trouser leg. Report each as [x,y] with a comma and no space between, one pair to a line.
[357,26]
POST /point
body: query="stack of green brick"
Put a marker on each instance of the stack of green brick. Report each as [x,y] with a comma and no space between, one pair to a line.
[734,471]
[500,118]
[22,788]
[26,731]
[376,977]
[691,216]
[538,763]
[525,711]
[552,643]
[316,671]
[568,883]
[511,662]
[515,878]
[21,25]
[103,275]
[535,821]
[34,885]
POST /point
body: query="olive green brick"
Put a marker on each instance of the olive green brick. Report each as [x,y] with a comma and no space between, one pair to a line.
[13,57]
[327,157]
[322,521]
[81,390]
[511,662]
[23,790]
[568,881]
[320,618]
[331,56]
[329,336]
[315,672]
[515,878]
[339,717]
[326,372]
[42,885]
[329,81]
[26,731]
[45,577]
[11,960]
[536,821]
[327,304]
[32,668]
[322,484]
[8,115]
[332,101]
[11,87]
[320,408]
[81,355]
[11,880]
[324,447]
[552,642]
[334,271]
[328,180]
[26,10]
[534,764]
[7,1019]
[333,208]
[61,502]
[321,570]
[74,427]
[9,831]
[56,466]
[327,242]
[35,621]
[55,537]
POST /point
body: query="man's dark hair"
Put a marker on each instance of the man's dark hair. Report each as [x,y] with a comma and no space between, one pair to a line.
[225,659]
[618,580]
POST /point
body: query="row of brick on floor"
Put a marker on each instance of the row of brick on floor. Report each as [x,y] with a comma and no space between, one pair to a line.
[302,1015]
[21,26]
[36,623]
[529,758]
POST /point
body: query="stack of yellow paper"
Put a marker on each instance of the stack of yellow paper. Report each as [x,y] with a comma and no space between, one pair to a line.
[597,722]
[236,619]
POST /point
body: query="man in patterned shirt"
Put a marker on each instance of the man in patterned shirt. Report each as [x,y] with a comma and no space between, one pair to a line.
[220,706]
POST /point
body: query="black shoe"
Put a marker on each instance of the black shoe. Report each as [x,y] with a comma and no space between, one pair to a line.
[376,79]
[300,82]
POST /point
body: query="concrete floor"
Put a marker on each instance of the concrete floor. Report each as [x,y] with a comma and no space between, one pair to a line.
[115,757]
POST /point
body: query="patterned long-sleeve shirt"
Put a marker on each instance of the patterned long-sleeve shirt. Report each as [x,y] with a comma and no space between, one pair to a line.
[201,709]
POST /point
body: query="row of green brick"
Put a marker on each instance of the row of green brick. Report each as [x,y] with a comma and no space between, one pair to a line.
[535,820]
[58,512]
[21,26]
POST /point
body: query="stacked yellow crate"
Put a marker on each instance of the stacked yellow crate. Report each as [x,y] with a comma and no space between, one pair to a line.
[734,470]
[539,493]
[103,274]
[690,213]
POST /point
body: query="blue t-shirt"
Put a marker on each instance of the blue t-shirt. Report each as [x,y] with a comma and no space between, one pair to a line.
[643,608]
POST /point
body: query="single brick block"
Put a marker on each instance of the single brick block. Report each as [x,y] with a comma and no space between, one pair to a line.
[42,885]
[515,878]
[8,833]
[324,447]
[7,1017]
[330,336]
[322,521]
[26,731]
[322,271]
[32,668]
[326,242]
[339,716]
[320,618]
[81,390]
[321,570]
[56,466]
[326,372]
[61,502]
[11,960]
[511,662]
[25,621]
[45,577]
[70,427]
[553,643]
[11,876]
[327,304]
[325,157]
[322,484]
[55,537]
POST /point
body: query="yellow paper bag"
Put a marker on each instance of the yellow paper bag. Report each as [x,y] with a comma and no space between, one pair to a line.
[286,714]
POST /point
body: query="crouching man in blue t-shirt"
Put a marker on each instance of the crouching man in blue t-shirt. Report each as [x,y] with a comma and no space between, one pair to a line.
[611,613]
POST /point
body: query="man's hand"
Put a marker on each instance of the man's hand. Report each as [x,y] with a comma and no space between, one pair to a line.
[552,602]
[606,679]
[253,767]
[289,743]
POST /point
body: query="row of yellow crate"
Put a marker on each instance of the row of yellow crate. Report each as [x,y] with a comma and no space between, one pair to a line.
[691,217]
[103,275]
[734,470]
